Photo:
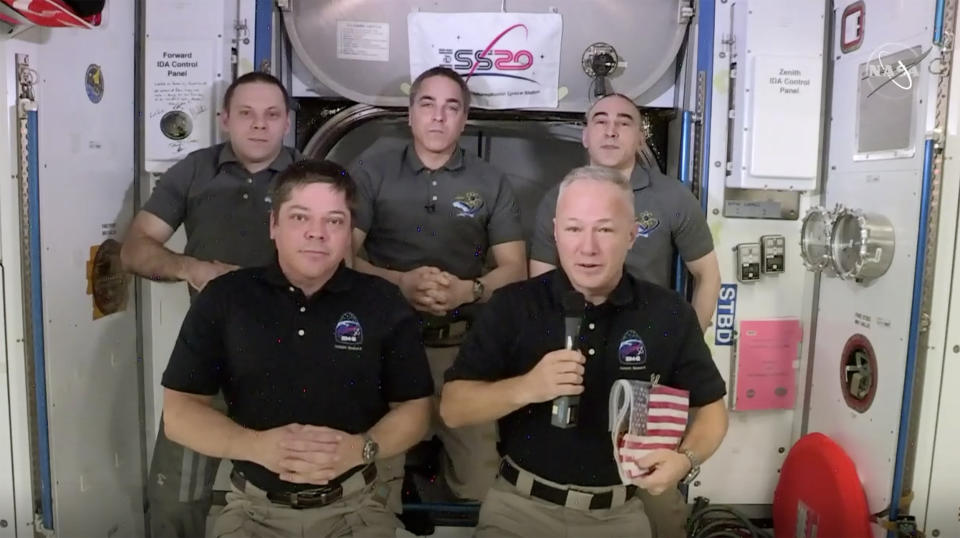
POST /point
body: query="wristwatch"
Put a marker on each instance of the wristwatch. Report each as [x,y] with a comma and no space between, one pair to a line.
[478,288]
[370,448]
[694,467]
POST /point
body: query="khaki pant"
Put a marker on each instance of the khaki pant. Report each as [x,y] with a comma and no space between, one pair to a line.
[249,514]
[470,461]
[668,513]
[507,513]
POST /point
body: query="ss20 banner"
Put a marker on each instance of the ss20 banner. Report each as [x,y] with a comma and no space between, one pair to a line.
[509,60]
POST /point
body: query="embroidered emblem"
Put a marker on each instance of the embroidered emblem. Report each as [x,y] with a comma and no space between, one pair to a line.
[468,204]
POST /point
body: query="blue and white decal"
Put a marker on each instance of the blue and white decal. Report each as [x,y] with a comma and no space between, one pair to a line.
[348,334]
[632,351]
[726,314]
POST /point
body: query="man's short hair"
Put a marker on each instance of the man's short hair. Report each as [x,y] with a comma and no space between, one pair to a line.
[250,78]
[621,96]
[445,72]
[598,173]
[307,172]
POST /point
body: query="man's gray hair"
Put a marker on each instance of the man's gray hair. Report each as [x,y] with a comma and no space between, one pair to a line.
[597,173]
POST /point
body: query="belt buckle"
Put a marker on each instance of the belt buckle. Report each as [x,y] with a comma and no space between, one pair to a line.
[310,498]
[579,500]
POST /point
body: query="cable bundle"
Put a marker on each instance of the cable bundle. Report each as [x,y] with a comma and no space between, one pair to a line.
[720,522]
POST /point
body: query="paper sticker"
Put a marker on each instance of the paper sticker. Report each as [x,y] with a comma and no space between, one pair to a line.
[107,282]
[179,98]
[509,60]
[726,314]
[766,354]
[93,83]
[368,41]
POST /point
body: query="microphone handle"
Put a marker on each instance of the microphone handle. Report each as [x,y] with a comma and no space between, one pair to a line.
[565,408]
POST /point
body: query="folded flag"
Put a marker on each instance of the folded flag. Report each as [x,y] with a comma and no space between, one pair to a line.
[644,417]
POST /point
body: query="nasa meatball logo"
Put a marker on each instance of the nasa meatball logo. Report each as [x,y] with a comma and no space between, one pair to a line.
[632,351]
[348,333]
[892,71]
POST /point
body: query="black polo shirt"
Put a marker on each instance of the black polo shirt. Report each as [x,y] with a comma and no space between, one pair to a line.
[524,321]
[445,218]
[334,359]
[223,207]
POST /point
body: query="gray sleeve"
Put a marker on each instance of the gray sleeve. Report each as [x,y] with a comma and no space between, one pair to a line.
[360,171]
[504,224]
[168,201]
[543,248]
[691,234]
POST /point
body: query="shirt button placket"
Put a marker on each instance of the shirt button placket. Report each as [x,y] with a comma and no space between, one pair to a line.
[432,190]
[591,340]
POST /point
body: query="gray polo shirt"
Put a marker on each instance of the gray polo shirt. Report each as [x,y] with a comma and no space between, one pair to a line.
[668,216]
[446,218]
[224,208]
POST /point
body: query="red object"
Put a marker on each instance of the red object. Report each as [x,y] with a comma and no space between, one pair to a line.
[660,427]
[52,13]
[819,493]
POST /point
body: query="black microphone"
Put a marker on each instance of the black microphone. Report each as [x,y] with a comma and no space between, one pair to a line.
[564,414]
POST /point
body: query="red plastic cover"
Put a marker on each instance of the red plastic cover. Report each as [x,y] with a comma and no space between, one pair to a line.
[819,493]
[50,13]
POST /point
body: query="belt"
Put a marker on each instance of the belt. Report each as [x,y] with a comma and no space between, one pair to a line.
[528,484]
[314,497]
[445,335]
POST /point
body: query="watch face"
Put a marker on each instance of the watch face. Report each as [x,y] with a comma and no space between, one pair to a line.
[369,450]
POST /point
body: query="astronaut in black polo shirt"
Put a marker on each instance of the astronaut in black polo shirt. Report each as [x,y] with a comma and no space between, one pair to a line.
[564,481]
[321,367]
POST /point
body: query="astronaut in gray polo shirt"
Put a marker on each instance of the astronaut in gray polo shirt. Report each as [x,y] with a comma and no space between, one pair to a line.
[426,217]
[668,216]
[219,195]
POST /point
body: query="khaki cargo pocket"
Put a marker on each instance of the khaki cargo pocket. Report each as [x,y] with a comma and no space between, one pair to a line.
[372,520]
[240,518]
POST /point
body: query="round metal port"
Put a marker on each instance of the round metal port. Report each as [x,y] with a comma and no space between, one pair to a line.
[858,373]
[815,239]
[862,244]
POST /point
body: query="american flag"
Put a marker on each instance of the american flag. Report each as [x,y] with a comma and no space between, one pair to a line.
[658,419]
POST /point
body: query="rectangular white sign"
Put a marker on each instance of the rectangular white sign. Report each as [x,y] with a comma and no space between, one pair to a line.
[509,60]
[368,41]
[786,118]
[179,98]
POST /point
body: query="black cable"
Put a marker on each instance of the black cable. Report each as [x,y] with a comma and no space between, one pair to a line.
[718,521]
[720,524]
